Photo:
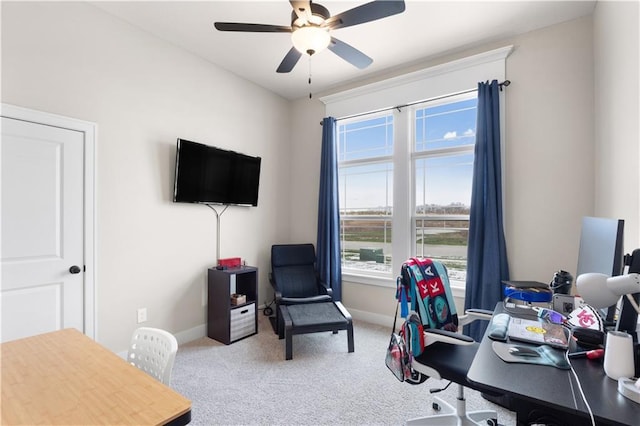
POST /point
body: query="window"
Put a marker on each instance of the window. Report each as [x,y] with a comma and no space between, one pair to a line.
[405,173]
[365,155]
[443,170]
[433,197]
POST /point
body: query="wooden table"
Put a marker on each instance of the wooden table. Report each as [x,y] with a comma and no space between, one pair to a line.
[64,378]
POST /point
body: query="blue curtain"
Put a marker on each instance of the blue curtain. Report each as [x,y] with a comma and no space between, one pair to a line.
[487,254]
[328,243]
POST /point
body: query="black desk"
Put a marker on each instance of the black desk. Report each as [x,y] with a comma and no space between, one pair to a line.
[551,390]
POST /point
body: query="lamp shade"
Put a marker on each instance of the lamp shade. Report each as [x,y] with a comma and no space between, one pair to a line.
[310,39]
[624,284]
[593,288]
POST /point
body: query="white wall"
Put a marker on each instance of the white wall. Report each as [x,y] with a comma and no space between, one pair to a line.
[73,59]
[306,146]
[549,177]
[549,148]
[617,126]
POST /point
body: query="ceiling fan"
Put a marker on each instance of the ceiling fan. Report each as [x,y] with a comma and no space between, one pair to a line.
[311,24]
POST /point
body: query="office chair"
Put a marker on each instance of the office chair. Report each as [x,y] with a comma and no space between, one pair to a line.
[153,351]
[448,355]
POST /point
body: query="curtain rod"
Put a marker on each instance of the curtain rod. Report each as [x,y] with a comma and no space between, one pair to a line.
[398,107]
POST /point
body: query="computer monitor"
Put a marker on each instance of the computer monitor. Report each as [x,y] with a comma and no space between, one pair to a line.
[628,318]
[601,250]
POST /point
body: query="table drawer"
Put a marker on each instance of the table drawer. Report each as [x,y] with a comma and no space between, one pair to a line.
[242,321]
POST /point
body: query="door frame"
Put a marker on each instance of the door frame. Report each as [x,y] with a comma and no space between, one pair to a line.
[89,130]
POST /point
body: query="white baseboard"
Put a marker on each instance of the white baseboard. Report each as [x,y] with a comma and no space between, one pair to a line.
[370,317]
[366,316]
[201,330]
[191,334]
[181,336]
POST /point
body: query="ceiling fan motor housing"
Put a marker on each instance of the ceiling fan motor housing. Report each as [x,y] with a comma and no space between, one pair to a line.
[318,15]
[315,37]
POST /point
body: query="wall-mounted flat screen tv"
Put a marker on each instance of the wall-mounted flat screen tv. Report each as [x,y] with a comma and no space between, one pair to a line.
[210,175]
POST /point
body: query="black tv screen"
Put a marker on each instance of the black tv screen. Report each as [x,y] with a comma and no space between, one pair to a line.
[210,175]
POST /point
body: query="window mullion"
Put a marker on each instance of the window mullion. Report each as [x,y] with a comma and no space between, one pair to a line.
[401,221]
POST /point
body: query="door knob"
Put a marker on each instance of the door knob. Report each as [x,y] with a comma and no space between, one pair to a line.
[75,269]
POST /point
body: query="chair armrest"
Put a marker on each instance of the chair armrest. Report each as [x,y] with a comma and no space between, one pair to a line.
[323,288]
[470,315]
[343,311]
[433,335]
[484,313]
[301,300]
[278,293]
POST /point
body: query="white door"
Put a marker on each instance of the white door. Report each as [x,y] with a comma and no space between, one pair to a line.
[43,227]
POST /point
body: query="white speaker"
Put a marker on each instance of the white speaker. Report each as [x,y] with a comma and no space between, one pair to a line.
[618,355]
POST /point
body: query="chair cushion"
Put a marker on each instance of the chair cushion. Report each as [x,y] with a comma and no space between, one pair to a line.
[315,314]
[296,281]
[292,254]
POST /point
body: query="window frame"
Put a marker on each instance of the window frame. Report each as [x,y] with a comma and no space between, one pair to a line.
[439,152]
[397,93]
[354,272]
[404,217]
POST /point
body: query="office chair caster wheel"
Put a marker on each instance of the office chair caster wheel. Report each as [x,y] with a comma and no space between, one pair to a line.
[268,311]
[435,406]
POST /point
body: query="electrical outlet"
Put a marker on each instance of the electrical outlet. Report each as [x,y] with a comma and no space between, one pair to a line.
[142,315]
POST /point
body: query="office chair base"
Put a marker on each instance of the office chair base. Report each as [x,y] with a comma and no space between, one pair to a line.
[450,415]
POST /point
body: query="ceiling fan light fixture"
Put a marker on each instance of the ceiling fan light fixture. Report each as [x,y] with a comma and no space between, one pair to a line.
[310,39]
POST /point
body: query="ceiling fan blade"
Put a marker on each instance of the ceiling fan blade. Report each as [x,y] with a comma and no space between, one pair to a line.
[349,53]
[290,60]
[252,28]
[302,9]
[365,13]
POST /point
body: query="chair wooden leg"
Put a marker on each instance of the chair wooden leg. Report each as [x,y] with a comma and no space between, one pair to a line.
[350,337]
[288,332]
[348,317]
[280,324]
[288,343]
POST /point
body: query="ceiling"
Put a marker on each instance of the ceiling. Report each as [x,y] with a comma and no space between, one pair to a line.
[426,29]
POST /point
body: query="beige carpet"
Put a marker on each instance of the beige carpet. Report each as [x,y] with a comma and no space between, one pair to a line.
[250,383]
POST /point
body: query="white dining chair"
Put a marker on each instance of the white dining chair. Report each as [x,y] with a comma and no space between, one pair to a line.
[153,351]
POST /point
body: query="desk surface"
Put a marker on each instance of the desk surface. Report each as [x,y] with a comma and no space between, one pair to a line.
[64,377]
[552,387]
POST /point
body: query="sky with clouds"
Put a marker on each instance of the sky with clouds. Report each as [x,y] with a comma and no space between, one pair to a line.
[440,180]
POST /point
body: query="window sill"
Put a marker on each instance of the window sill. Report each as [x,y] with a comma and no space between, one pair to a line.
[380,281]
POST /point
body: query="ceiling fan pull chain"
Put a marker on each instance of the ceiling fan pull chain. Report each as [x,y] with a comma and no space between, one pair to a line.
[310,95]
